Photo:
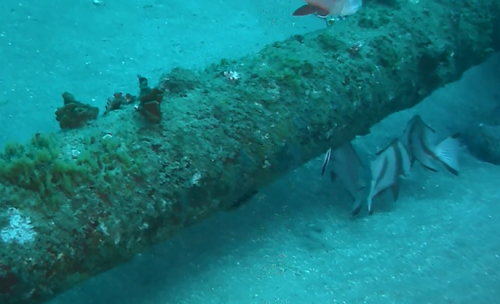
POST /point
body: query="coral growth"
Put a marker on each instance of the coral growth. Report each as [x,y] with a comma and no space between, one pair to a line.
[144,88]
[115,102]
[74,114]
[150,100]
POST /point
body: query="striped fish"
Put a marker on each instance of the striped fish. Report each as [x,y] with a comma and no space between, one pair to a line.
[389,164]
[347,167]
[419,139]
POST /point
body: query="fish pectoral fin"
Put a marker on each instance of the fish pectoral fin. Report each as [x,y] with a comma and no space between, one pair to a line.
[369,204]
[447,153]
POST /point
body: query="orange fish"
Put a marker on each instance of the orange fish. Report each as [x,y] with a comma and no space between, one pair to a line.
[334,8]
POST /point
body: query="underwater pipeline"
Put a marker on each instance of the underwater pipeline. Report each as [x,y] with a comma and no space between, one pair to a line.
[79,202]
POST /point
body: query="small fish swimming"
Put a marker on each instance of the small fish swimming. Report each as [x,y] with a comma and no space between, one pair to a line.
[347,166]
[420,141]
[334,8]
[389,164]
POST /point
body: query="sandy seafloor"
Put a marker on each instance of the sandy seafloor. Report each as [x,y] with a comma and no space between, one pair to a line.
[294,243]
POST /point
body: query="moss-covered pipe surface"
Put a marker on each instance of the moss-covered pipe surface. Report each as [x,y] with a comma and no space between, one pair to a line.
[77,203]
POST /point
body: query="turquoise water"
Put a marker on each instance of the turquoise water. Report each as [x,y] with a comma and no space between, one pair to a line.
[294,242]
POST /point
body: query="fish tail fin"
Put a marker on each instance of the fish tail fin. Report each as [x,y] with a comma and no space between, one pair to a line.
[308,9]
[369,199]
[370,209]
[447,153]
[305,10]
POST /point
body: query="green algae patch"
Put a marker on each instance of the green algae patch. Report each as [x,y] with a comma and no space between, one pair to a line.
[36,167]
[53,173]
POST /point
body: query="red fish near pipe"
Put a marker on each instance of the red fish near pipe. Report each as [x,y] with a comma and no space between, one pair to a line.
[334,8]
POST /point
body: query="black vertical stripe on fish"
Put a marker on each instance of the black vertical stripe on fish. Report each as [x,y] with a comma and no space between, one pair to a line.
[358,202]
[394,163]
[356,209]
[326,160]
[381,175]
[424,143]
[333,176]
[399,166]
[410,142]
[395,190]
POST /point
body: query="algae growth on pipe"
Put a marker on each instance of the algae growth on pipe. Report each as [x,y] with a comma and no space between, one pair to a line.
[77,203]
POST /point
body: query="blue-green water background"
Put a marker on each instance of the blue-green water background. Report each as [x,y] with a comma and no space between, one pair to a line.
[294,243]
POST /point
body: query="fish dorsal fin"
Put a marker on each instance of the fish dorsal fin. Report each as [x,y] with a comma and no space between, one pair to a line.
[390,145]
[369,201]
[326,160]
[424,123]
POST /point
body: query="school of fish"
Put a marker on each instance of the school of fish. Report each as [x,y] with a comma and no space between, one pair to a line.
[417,143]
